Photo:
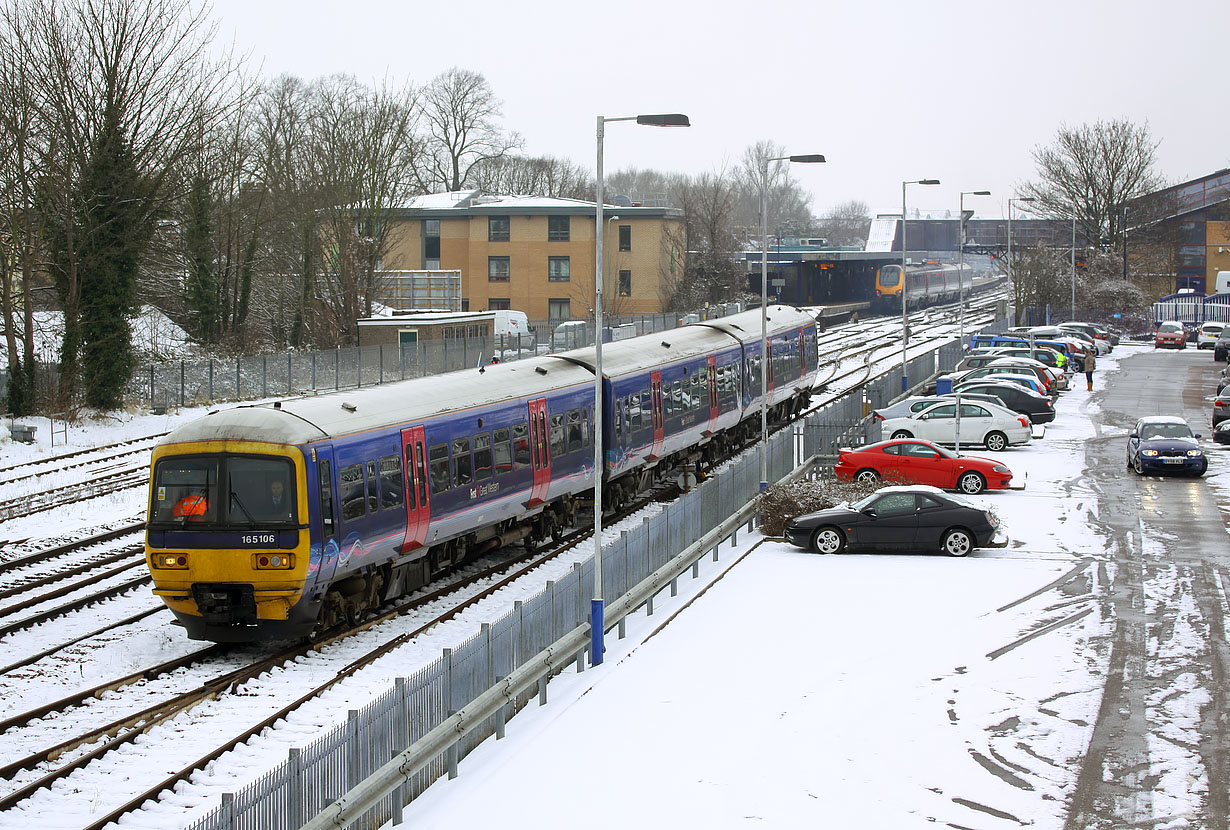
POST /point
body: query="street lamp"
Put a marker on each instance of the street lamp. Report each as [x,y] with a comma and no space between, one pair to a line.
[597,615]
[813,158]
[961,260]
[1073,317]
[905,327]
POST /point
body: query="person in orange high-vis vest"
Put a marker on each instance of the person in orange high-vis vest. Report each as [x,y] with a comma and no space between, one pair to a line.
[190,507]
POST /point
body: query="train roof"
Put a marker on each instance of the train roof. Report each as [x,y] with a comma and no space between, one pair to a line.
[745,326]
[320,417]
[649,351]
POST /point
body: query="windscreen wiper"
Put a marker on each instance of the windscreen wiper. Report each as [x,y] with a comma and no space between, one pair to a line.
[236,500]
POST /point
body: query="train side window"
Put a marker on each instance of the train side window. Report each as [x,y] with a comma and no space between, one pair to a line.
[421,468]
[437,458]
[585,425]
[677,396]
[326,500]
[646,418]
[634,412]
[558,445]
[352,492]
[697,390]
[621,418]
[410,499]
[521,445]
[462,463]
[542,440]
[502,451]
[482,456]
[392,485]
[574,430]
[373,500]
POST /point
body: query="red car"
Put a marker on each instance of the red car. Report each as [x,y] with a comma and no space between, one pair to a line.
[1170,335]
[914,461]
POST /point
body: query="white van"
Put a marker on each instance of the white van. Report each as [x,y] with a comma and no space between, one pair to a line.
[511,325]
[1221,284]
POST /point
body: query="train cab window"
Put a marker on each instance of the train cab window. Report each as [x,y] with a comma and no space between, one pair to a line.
[392,485]
[558,446]
[635,412]
[437,459]
[351,478]
[585,426]
[574,430]
[521,445]
[185,490]
[326,499]
[482,456]
[462,463]
[502,452]
[373,500]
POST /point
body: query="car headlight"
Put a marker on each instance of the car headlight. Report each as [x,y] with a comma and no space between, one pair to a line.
[1150,453]
[1194,453]
[1000,468]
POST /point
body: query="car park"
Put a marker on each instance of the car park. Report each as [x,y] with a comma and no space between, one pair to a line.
[1038,408]
[1164,443]
[1170,335]
[981,423]
[1207,334]
[897,520]
[914,461]
[1221,407]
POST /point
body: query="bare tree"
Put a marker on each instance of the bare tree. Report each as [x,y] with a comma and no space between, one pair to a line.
[536,176]
[846,224]
[1092,173]
[789,212]
[462,119]
[712,274]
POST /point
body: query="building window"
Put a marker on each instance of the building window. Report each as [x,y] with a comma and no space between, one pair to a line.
[499,304]
[558,228]
[625,237]
[625,283]
[559,309]
[558,268]
[498,268]
[497,229]
[431,244]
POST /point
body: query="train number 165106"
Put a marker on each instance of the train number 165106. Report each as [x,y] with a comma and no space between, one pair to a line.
[258,538]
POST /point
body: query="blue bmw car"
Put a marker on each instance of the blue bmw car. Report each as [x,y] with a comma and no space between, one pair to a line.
[1164,444]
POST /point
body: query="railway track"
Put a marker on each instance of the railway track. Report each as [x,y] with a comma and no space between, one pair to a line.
[26,468]
[112,482]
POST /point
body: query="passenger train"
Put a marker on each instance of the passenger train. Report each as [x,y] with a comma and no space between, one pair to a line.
[924,285]
[279,520]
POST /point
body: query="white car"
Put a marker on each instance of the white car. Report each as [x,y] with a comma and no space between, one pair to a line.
[981,423]
[1206,337]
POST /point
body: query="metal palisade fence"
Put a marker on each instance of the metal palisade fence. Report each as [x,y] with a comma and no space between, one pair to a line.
[436,700]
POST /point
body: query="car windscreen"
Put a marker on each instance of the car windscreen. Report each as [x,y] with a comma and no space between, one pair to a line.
[1164,431]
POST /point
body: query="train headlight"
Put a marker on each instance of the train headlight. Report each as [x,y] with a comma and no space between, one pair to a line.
[177,561]
[274,562]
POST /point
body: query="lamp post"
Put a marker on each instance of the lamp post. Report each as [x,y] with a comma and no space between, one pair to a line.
[813,158]
[1073,267]
[961,261]
[597,614]
[1012,284]
[905,326]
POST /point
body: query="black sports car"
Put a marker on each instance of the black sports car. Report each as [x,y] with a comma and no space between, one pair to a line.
[896,520]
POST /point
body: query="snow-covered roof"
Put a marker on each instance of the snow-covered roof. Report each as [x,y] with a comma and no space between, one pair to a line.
[477,202]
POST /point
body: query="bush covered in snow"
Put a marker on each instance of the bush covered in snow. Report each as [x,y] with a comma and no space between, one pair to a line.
[783,502]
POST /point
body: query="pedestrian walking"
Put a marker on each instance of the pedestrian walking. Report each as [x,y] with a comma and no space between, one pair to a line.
[1091,362]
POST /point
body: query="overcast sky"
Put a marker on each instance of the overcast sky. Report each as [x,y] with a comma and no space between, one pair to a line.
[947,89]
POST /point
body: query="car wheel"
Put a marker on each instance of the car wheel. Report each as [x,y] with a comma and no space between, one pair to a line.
[901,433]
[828,540]
[867,476]
[957,542]
[1137,467]
[995,441]
[1204,467]
[971,484]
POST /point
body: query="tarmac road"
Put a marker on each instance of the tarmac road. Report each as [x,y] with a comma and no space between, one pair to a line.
[1166,705]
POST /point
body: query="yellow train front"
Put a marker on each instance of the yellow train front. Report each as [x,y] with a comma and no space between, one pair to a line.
[227,536]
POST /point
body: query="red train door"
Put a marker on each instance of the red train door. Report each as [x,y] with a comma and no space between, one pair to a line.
[713,395]
[540,451]
[659,416]
[418,502]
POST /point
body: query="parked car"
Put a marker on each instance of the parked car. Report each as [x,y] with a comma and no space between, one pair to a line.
[1221,432]
[1206,336]
[1048,357]
[896,520]
[981,423]
[1221,349]
[914,461]
[917,403]
[1099,335]
[1221,407]
[1170,335]
[1224,380]
[1164,443]
[1038,408]
[1019,374]
[1055,379]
